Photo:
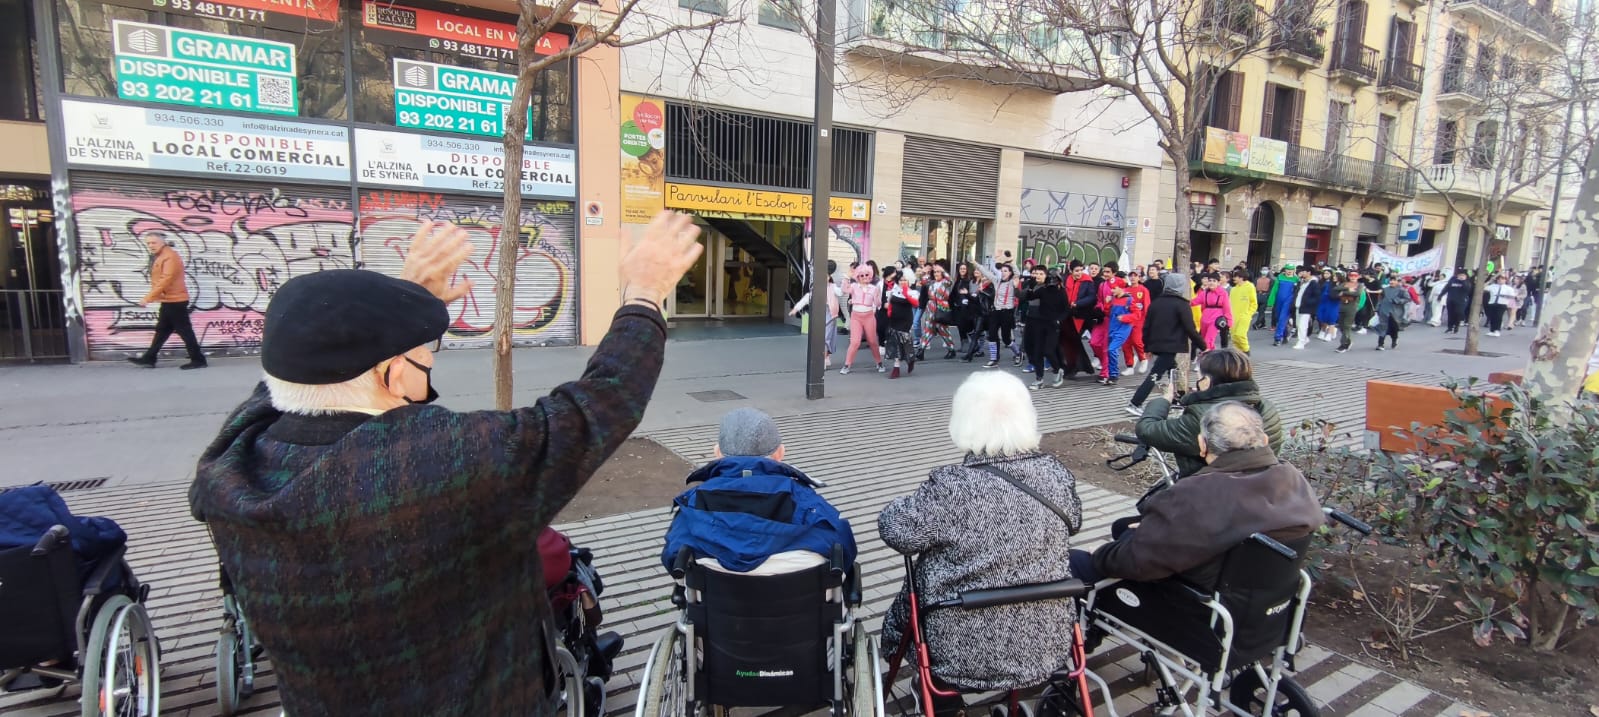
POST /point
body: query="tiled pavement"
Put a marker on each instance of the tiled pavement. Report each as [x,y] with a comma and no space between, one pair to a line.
[863,469]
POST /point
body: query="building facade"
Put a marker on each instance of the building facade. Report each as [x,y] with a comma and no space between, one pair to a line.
[929,159]
[269,139]
[1302,154]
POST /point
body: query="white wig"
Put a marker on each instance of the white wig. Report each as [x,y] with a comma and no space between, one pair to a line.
[313,400]
[993,415]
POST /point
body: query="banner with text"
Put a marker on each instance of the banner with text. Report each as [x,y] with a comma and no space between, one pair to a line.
[106,135]
[643,159]
[451,34]
[1426,262]
[460,164]
[204,69]
[453,99]
[753,201]
[300,15]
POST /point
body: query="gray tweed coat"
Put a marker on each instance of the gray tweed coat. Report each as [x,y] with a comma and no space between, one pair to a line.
[973,530]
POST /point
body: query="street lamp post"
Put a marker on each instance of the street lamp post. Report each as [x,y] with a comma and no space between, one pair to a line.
[821,196]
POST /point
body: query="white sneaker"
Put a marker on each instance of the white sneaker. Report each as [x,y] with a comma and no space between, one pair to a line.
[827,362]
[880,369]
[1300,346]
[1095,362]
[1134,411]
[1361,331]
[844,371]
[1143,366]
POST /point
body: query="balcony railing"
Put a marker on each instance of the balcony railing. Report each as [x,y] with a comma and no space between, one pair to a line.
[1520,12]
[1233,16]
[1480,181]
[977,33]
[1457,81]
[1298,48]
[1325,168]
[1358,61]
[1402,75]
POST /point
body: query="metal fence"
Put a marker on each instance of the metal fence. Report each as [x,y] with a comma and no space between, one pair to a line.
[33,326]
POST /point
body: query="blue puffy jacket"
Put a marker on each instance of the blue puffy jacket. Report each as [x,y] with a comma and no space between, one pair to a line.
[750,508]
[27,513]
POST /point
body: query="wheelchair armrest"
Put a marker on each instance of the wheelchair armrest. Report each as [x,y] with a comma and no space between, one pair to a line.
[1128,460]
[1274,546]
[97,580]
[1129,439]
[991,597]
[1355,524]
[835,561]
[681,562]
[53,539]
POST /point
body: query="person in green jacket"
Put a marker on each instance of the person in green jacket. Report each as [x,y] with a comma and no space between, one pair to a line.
[1224,375]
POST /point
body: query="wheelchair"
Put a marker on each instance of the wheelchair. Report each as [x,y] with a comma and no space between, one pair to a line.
[56,628]
[1067,692]
[582,655]
[788,640]
[237,652]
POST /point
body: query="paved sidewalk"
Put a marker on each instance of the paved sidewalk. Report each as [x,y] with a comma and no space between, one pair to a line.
[864,471]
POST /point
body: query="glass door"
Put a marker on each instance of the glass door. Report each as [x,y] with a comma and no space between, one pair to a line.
[694,290]
[744,283]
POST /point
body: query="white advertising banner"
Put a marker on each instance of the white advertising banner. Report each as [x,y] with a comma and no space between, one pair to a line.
[1426,262]
[117,136]
[460,164]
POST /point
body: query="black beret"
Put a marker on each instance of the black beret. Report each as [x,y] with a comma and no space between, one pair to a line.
[331,326]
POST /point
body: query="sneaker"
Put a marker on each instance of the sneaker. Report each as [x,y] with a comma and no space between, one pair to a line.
[827,363]
[1031,369]
[1111,381]
[1344,349]
[949,354]
[991,364]
[894,373]
[1300,346]
[1134,411]
[880,368]
[1060,378]
[844,371]
[1380,348]
[1016,361]
[140,362]
[1103,381]
[190,366]
[1362,331]
[1095,362]
[1276,342]
[1038,384]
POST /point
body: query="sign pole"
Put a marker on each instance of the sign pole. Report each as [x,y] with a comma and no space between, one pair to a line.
[821,201]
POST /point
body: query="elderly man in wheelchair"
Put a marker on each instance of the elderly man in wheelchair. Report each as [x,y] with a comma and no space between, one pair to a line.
[1206,581]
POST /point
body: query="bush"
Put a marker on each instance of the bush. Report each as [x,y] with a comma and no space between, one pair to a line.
[1506,499]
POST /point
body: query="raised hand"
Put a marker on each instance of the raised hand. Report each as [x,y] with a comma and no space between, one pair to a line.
[658,260]
[436,253]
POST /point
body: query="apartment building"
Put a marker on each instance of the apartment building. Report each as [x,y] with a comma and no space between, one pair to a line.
[937,153]
[1301,160]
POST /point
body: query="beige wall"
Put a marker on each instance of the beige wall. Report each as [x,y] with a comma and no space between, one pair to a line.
[888,171]
[1008,205]
[599,159]
[27,152]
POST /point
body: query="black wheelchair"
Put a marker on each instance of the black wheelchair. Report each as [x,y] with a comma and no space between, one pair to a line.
[789,640]
[56,628]
[237,653]
[582,655]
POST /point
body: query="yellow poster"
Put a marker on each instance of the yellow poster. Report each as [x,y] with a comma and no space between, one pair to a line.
[643,158]
[698,198]
[1216,145]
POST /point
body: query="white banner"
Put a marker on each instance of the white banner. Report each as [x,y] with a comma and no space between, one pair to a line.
[460,164]
[1426,262]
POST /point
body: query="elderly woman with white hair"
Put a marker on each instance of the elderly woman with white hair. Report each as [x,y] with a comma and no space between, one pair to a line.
[974,529]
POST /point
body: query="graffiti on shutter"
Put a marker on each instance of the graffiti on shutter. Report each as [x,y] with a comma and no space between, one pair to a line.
[238,242]
[1056,246]
[546,291]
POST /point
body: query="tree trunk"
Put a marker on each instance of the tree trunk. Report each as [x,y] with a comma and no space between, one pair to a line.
[510,239]
[1181,246]
[1478,284]
[1566,339]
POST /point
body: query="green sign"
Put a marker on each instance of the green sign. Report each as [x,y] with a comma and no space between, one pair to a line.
[452,99]
[203,69]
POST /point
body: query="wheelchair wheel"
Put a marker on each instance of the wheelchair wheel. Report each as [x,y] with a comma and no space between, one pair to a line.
[121,673]
[1060,699]
[1003,710]
[866,677]
[227,670]
[1249,694]
[666,688]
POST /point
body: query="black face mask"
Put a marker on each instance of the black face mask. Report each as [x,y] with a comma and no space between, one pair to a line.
[426,371]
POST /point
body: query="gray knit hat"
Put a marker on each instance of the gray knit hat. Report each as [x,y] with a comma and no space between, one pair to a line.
[748,432]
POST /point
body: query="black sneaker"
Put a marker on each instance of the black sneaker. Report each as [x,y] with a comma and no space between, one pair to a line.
[138,361]
[991,364]
[193,365]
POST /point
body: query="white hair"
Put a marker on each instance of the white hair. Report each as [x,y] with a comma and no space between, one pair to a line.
[1232,426]
[315,400]
[993,415]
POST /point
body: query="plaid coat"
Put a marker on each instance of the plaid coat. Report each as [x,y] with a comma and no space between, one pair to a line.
[389,563]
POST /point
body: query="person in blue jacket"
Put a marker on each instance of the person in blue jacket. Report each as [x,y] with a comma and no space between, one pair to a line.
[1283,302]
[753,513]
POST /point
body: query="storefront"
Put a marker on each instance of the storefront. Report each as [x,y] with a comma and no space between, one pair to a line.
[949,201]
[1323,223]
[1205,238]
[267,140]
[1072,212]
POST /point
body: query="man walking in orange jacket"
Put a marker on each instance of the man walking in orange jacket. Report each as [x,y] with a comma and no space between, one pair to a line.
[167,289]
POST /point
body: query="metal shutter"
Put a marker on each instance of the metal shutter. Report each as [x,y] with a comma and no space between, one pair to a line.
[946,179]
[546,284]
[239,242]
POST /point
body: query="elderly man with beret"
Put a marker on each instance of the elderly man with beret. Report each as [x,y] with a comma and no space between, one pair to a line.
[385,549]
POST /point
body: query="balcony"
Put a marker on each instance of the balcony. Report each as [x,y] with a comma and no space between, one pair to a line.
[1473,183]
[1542,25]
[1401,80]
[1310,167]
[1460,91]
[1230,20]
[969,42]
[1355,64]
[1300,51]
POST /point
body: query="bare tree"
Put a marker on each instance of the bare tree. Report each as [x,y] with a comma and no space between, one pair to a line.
[1511,100]
[596,27]
[1167,56]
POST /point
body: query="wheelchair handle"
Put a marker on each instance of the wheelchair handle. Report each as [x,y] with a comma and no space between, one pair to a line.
[681,562]
[1129,439]
[992,597]
[56,537]
[1355,524]
[1128,460]
[1276,547]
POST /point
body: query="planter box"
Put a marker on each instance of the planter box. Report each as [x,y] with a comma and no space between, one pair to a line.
[1391,408]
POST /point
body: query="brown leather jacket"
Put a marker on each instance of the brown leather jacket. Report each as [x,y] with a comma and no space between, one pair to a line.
[166,279]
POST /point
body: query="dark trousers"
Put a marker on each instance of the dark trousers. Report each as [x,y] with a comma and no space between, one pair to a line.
[1043,342]
[1457,314]
[1496,316]
[1390,328]
[173,317]
[1346,329]
[1001,322]
[1163,364]
[1070,344]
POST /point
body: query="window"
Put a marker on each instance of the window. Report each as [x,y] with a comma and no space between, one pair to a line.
[1337,127]
[1486,60]
[1448,139]
[707,145]
[376,50]
[19,91]
[781,14]
[1226,102]
[86,48]
[1282,113]
[1485,145]
[715,7]
[1385,138]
